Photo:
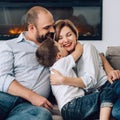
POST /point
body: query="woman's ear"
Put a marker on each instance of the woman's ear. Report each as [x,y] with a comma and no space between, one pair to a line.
[58,56]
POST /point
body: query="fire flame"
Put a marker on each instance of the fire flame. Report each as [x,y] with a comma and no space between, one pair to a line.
[15,30]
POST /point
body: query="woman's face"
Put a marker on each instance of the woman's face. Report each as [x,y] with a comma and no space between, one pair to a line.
[62,51]
[67,39]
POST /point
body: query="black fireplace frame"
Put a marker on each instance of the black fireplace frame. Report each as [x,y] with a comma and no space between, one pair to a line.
[57,4]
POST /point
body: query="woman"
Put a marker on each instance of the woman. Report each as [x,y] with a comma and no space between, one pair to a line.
[91,76]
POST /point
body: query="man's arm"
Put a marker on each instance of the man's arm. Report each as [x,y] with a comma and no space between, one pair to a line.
[111,73]
[17,89]
[10,85]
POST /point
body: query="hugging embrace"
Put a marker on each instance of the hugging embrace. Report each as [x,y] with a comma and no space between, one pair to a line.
[25,84]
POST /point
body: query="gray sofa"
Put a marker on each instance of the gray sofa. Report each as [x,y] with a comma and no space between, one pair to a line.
[113,56]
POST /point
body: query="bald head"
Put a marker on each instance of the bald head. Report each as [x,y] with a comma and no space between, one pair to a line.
[38,9]
[32,15]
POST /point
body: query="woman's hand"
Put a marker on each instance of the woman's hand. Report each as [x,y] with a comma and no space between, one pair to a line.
[56,78]
[113,75]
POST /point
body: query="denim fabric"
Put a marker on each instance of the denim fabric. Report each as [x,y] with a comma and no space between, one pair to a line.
[116,107]
[16,108]
[83,108]
[116,110]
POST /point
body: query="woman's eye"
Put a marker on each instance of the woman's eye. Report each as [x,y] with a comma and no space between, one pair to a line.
[69,34]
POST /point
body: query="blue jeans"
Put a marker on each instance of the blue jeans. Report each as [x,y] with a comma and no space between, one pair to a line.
[83,108]
[16,108]
[116,107]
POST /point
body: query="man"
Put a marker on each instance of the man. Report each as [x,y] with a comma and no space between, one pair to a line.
[24,84]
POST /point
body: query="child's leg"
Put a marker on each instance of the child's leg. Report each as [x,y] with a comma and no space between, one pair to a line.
[105,113]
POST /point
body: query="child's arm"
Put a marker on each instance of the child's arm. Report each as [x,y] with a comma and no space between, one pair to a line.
[77,52]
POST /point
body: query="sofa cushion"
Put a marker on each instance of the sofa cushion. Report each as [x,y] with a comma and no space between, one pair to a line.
[113,56]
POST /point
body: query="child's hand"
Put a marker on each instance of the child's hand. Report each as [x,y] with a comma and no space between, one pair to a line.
[79,46]
[77,52]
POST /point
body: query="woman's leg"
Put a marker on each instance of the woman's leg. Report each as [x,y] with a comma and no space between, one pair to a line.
[106,99]
[116,107]
[26,111]
[115,86]
[105,113]
[116,110]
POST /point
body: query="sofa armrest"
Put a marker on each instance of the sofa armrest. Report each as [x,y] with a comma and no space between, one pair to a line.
[113,56]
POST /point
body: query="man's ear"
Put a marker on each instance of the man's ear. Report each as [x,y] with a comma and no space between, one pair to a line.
[31,27]
[58,56]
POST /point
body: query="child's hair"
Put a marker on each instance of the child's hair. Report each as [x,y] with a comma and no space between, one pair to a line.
[47,52]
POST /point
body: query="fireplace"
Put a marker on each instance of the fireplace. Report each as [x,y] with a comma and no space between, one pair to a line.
[85,14]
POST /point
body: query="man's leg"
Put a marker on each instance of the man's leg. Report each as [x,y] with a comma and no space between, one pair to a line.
[26,111]
[7,102]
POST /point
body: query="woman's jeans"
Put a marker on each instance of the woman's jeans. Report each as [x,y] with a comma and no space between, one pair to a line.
[16,108]
[116,107]
[83,108]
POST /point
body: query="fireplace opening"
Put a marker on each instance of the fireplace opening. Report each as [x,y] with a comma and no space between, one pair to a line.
[85,14]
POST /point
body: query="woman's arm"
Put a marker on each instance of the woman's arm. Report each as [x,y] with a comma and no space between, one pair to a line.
[111,73]
[106,65]
[58,79]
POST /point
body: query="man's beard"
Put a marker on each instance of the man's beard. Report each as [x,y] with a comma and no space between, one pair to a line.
[44,37]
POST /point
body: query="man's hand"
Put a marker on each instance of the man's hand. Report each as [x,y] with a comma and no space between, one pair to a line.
[38,100]
[113,75]
[17,89]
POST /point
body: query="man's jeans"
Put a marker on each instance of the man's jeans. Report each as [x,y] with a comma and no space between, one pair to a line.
[16,108]
[83,108]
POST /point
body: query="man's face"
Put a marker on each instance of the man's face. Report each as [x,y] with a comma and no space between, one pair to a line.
[44,27]
[45,36]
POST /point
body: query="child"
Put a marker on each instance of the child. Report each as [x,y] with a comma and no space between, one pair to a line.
[50,53]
